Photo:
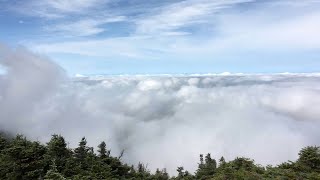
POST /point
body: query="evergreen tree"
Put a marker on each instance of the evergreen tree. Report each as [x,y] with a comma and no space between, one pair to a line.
[183,175]
[4,142]
[207,167]
[53,173]
[211,164]
[81,151]
[27,159]
[103,152]
[180,172]
[24,159]
[222,161]
[58,151]
[142,171]
[309,158]
[82,158]
[161,175]
[5,162]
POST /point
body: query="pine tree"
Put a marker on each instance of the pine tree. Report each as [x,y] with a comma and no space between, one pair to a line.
[24,159]
[5,162]
[206,167]
[211,165]
[103,152]
[309,158]
[180,172]
[222,161]
[27,157]
[4,142]
[161,175]
[81,151]
[81,154]
[53,173]
[58,151]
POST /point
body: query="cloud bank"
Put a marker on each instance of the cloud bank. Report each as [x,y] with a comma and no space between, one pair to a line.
[164,121]
[27,80]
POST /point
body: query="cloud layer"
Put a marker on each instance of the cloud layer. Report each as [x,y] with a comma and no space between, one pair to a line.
[28,80]
[165,121]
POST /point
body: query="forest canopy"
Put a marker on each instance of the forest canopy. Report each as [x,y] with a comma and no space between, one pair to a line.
[21,158]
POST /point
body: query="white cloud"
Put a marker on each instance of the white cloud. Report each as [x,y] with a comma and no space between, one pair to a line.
[69,6]
[108,48]
[293,3]
[265,117]
[84,27]
[265,28]
[171,18]
[261,32]
[57,8]
[149,85]
[28,78]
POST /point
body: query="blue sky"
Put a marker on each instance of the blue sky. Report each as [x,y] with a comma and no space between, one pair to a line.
[167,36]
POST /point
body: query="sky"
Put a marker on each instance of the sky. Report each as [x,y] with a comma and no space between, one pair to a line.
[167,36]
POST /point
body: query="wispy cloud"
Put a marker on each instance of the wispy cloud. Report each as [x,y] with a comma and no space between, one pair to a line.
[234,33]
[85,27]
[175,16]
[69,6]
[288,33]
[57,8]
[130,47]
[196,30]
[291,3]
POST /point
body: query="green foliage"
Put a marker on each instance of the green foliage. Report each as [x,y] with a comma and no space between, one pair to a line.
[309,159]
[206,168]
[53,173]
[24,159]
[27,159]
[185,175]
[4,142]
[161,175]
[103,152]
[58,151]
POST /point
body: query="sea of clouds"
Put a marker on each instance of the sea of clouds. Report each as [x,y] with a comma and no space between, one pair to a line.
[164,121]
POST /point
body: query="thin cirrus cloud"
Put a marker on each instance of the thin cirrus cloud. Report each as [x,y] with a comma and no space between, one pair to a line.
[182,14]
[167,30]
[216,31]
[85,27]
[56,8]
[300,33]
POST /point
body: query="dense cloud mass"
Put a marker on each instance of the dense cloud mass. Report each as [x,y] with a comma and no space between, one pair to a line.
[164,121]
[28,80]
